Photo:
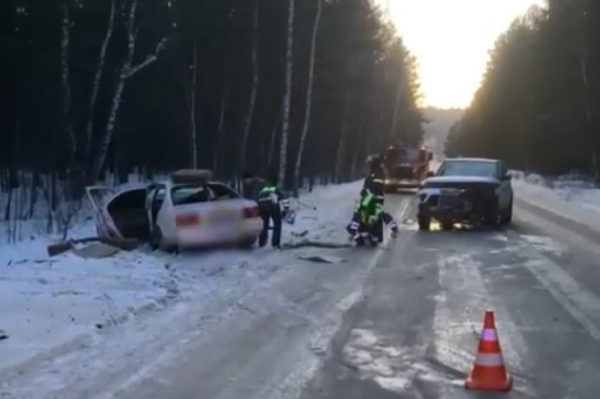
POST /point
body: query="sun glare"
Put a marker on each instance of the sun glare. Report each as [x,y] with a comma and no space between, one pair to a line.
[451,40]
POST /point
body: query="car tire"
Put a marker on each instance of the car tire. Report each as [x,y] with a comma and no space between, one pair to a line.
[248,243]
[492,215]
[447,226]
[507,216]
[157,242]
[424,219]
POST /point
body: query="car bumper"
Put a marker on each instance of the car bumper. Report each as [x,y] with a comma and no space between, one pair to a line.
[212,236]
[402,183]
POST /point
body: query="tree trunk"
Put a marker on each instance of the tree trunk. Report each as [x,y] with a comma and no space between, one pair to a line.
[220,130]
[193,132]
[395,111]
[252,105]
[274,137]
[98,79]
[288,93]
[126,72]
[65,78]
[341,150]
[309,92]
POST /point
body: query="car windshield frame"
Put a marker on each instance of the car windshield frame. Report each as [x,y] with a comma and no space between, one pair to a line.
[403,155]
[469,168]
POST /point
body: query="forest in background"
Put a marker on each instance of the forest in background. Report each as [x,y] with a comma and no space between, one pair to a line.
[539,104]
[303,89]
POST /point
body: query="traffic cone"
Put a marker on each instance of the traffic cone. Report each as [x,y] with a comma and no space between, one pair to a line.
[489,372]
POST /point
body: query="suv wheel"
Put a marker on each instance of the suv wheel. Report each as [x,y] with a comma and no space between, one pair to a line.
[424,219]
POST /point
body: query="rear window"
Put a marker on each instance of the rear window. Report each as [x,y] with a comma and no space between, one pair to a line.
[222,192]
[190,194]
[469,168]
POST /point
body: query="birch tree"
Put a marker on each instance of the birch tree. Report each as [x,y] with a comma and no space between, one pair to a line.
[309,95]
[253,92]
[128,70]
[289,65]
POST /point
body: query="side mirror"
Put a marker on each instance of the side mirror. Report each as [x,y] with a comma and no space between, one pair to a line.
[507,177]
[430,157]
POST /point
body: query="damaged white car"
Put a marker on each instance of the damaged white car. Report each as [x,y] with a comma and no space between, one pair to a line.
[187,211]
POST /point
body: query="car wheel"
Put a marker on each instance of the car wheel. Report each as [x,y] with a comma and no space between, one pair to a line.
[248,242]
[424,219]
[447,226]
[507,216]
[492,215]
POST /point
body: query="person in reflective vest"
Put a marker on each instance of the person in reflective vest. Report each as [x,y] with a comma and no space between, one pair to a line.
[270,201]
[367,222]
[374,182]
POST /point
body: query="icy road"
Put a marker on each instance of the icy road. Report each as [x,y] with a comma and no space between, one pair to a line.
[398,322]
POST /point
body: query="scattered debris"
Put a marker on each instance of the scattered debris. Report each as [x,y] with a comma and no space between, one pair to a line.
[316,244]
[302,233]
[3,335]
[125,244]
[96,250]
[322,259]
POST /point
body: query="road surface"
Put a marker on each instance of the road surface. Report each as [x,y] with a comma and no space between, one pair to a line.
[400,322]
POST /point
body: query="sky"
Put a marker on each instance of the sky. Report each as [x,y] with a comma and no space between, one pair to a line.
[451,40]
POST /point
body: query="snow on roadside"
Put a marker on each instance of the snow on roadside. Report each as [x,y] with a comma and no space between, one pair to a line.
[577,200]
[49,305]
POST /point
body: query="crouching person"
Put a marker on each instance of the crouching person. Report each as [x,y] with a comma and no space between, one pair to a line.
[366,227]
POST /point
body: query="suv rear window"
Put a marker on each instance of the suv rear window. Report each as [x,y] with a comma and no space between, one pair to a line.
[468,168]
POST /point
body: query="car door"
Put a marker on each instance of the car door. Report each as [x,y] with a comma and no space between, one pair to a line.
[154,201]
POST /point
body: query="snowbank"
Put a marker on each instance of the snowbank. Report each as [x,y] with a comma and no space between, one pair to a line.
[576,199]
[50,306]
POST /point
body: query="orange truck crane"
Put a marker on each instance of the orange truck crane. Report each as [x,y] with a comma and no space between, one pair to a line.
[406,166]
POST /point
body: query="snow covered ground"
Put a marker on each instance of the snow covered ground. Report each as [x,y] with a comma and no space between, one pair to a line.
[573,198]
[50,307]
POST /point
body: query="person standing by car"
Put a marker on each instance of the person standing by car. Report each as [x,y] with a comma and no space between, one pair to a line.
[270,201]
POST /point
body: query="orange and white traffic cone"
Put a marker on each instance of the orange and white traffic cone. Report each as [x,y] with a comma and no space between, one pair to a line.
[489,372]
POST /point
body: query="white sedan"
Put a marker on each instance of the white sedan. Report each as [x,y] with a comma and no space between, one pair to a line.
[189,210]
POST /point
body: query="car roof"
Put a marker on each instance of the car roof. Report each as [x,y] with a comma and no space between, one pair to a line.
[472,160]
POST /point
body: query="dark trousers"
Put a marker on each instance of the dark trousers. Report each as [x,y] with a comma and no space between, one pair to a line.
[269,212]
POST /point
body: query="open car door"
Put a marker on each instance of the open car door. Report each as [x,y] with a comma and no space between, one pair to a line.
[96,195]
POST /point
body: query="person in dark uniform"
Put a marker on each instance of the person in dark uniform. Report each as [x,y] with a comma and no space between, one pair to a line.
[374,182]
[270,201]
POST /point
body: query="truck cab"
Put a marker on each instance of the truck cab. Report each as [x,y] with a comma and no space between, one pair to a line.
[405,166]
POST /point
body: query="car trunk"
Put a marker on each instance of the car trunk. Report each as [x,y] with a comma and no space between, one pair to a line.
[128,212]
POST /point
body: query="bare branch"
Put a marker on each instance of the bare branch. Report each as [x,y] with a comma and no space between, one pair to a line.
[149,59]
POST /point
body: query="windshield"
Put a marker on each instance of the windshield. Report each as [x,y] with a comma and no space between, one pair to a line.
[190,194]
[468,168]
[402,155]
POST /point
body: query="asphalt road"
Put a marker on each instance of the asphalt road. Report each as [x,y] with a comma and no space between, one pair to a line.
[404,321]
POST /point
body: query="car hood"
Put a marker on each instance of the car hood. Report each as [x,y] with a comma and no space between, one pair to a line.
[462,180]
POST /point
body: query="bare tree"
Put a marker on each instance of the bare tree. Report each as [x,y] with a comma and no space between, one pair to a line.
[193,132]
[66,76]
[253,94]
[127,71]
[309,95]
[288,92]
[98,78]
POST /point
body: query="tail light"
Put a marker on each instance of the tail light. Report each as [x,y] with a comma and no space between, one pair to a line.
[251,212]
[187,220]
